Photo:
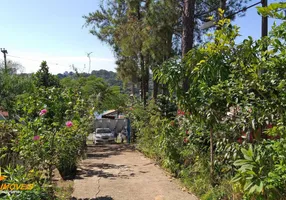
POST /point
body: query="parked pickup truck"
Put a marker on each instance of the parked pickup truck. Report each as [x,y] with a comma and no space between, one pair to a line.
[103,135]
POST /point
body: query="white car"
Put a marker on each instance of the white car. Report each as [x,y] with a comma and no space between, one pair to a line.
[103,135]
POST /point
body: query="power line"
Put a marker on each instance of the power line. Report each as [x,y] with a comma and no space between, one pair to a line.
[244,9]
[211,23]
[35,60]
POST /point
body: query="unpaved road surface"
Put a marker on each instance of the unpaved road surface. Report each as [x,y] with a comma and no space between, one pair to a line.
[117,172]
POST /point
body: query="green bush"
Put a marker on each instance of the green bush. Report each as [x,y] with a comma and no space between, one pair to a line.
[236,96]
[53,130]
[7,141]
[19,175]
[262,170]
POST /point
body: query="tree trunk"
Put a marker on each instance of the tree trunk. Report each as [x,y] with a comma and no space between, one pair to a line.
[188,32]
[155,89]
[147,82]
[143,80]
[147,78]
[144,87]
[132,89]
[211,157]
[165,90]
[169,44]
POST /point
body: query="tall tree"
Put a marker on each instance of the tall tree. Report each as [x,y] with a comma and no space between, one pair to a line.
[13,85]
[119,23]
[127,71]
[188,26]
[12,67]
[195,12]
[96,91]
[44,79]
[161,25]
[188,31]
[147,33]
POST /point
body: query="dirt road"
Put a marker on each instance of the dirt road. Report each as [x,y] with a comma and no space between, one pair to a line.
[116,172]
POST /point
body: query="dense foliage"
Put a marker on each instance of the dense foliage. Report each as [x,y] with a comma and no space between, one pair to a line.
[12,85]
[228,141]
[146,33]
[49,120]
[97,92]
[44,79]
[109,77]
[219,124]
[45,139]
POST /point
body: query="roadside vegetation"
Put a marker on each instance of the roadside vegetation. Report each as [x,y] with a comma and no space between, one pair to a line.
[46,130]
[226,137]
[216,117]
[213,116]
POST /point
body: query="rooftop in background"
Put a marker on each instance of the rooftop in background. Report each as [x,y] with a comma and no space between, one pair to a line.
[109,114]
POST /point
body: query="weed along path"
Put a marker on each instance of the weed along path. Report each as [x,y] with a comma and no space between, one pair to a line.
[117,172]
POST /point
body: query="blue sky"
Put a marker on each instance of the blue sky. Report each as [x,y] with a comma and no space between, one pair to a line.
[52,30]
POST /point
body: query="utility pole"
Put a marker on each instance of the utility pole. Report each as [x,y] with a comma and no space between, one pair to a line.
[264,27]
[264,31]
[88,55]
[4,51]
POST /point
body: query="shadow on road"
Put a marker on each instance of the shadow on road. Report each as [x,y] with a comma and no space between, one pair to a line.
[107,150]
[106,166]
[104,170]
[97,198]
[89,173]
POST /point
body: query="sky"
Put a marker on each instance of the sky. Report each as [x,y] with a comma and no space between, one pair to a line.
[52,30]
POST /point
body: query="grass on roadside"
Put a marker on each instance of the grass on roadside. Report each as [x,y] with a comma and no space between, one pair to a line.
[64,189]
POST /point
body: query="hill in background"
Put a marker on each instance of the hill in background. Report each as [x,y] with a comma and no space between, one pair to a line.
[109,76]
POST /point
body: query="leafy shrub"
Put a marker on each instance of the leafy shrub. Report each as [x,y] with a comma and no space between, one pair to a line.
[235,91]
[70,150]
[7,139]
[54,126]
[19,175]
[262,170]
